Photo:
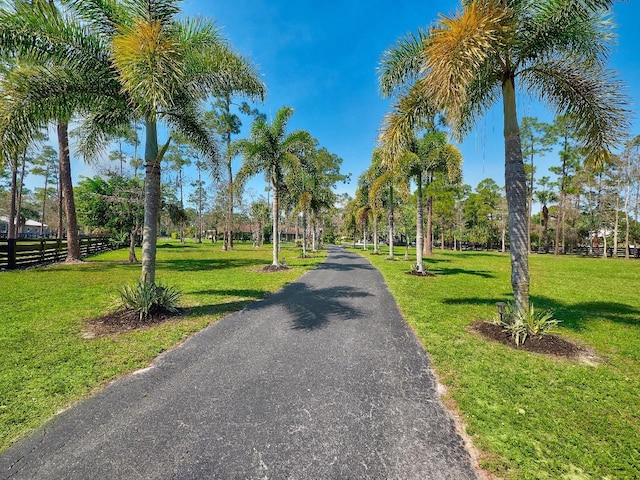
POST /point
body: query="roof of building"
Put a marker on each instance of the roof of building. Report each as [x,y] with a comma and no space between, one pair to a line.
[28,223]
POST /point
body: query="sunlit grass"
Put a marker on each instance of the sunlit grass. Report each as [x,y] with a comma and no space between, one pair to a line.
[46,363]
[535,417]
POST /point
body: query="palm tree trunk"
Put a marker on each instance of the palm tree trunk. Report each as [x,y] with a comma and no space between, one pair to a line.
[375,233]
[228,235]
[200,204]
[151,202]
[364,236]
[419,224]
[515,184]
[529,204]
[228,228]
[11,227]
[391,222]
[20,186]
[73,242]
[314,234]
[616,224]
[429,233]
[276,231]
[60,201]
[304,234]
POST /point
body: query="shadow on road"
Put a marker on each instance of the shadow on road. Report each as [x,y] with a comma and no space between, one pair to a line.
[313,309]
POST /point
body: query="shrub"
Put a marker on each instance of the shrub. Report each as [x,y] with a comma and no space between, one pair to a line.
[148,298]
[522,324]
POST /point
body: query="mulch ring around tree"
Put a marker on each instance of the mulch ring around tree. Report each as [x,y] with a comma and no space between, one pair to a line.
[547,344]
[124,321]
[420,274]
[274,268]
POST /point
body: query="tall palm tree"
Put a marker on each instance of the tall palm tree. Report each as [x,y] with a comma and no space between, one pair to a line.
[123,61]
[422,158]
[58,70]
[270,150]
[471,59]
[389,180]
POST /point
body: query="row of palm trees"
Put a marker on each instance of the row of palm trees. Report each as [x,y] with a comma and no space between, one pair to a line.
[106,64]
[488,51]
[297,170]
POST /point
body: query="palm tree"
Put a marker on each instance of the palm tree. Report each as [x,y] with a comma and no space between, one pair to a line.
[388,180]
[122,61]
[272,151]
[58,70]
[373,200]
[422,158]
[469,60]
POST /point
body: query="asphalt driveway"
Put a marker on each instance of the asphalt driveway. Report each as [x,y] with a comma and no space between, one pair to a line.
[322,380]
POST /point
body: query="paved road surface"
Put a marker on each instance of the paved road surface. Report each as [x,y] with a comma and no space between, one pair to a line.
[322,380]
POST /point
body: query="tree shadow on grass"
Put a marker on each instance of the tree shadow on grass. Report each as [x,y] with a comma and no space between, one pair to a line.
[573,316]
[174,246]
[461,271]
[195,265]
[432,260]
[313,309]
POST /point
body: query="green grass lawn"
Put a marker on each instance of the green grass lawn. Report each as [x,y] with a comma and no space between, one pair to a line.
[534,417]
[46,363]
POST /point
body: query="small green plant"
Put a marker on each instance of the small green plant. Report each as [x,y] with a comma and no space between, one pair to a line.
[522,324]
[147,298]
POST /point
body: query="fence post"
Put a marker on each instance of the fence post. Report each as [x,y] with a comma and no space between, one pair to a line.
[11,253]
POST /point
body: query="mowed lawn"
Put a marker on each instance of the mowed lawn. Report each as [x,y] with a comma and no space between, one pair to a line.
[535,417]
[46,361]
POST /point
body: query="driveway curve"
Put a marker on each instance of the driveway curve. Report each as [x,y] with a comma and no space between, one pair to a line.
[321,380]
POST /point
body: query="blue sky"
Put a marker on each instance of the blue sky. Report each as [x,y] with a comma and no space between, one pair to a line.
[320,58]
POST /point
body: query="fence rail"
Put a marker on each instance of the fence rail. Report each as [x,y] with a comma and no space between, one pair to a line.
[23,253]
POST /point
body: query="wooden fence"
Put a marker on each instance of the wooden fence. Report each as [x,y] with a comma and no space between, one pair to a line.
[22,253]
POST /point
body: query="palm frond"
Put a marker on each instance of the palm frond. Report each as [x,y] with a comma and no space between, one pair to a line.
[402,64]
[103,16]
[590,95]
[411,110]
[482,93]
[188,122]
[460,47]
[161,11]
[221,71]
[553,28]
[39,33]
[106,119]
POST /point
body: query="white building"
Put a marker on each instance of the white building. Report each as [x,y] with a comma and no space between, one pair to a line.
[30,228]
